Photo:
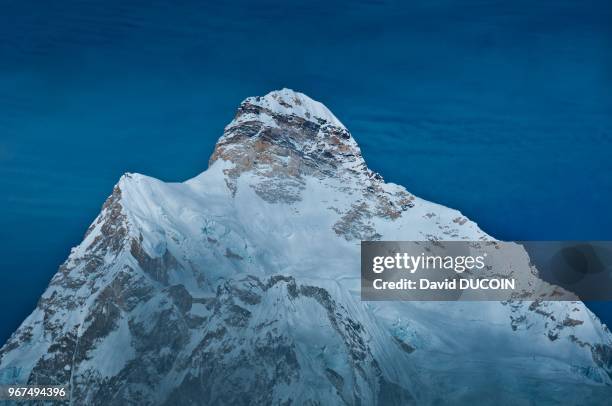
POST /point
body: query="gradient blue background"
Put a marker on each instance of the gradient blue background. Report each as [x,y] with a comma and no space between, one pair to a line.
[501,109]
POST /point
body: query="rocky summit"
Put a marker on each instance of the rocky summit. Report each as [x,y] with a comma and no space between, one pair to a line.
[241,286]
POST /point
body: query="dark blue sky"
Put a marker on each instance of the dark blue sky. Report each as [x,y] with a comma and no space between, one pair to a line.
[501,109]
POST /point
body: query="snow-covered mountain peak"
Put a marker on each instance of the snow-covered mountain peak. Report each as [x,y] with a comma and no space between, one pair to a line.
[285,136]
[289,102]
[241,286]
[296,125]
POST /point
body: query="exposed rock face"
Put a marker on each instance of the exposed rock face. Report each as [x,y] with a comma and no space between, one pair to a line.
[281,139]
[241,286]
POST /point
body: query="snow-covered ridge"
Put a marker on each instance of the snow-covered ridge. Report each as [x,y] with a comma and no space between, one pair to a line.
[241,286]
